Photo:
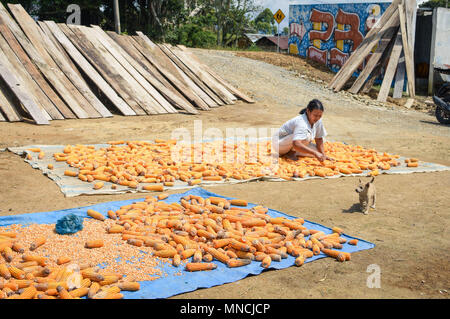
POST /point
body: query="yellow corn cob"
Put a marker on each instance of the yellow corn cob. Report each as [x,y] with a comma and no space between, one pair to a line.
[129,286]
[63,293]
[60,274]
[28,293]
[55,284]
[7,254]
[23,283]
[108,280]
[105,293]
[80,292]
[93,289]
[39,259]
[115,296]
[93,276]
[86,283]
[16,272]
[4,271]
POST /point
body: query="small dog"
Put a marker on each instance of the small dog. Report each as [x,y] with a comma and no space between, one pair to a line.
[367,195]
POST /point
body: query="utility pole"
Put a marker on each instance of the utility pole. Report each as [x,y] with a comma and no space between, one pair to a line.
[116,16]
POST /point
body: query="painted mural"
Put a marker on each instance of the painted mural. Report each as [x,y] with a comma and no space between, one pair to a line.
[329,32]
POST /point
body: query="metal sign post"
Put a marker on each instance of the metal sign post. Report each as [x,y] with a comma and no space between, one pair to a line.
[279,16]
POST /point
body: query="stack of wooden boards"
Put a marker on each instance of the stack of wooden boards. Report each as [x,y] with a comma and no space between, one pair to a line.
[52,71]
[389,41]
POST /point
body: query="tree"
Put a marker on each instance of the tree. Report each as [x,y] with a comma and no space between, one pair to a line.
[435,4]
[286,31]
[265,22]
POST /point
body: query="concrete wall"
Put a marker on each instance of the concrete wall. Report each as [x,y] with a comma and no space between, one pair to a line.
[328,31]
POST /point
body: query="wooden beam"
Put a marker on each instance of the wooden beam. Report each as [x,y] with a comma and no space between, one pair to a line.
[386,39]
[152,75]
[186,90]
[53,75]
[104,68]
[7,105]
[74,77]
[347,73]
[35,93]
[219,78]
[16,88]
[145,100]
[89,70]
[408,54]
[59,109]
[116,52]
[367,42]
[390,70]
[193,75]
[169,66]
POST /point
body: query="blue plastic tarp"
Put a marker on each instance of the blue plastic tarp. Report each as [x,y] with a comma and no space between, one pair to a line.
[174,284]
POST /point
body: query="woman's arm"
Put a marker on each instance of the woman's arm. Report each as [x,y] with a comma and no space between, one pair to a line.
[302,146]
[319,144]
[321,149]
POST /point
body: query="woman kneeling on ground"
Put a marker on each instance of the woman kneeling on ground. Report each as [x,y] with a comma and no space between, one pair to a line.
[296,135]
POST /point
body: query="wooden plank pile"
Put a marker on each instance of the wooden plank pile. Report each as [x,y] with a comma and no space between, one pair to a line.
[390,40]
[51,71]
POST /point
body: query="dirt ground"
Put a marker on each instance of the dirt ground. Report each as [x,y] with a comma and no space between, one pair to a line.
[410,226]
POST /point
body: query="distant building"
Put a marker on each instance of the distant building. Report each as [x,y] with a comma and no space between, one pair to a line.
[269,43]
[248,39]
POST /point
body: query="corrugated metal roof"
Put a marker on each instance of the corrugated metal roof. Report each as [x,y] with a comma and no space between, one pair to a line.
[284,41]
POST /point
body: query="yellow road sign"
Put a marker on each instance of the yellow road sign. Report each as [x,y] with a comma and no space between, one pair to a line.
[279,16]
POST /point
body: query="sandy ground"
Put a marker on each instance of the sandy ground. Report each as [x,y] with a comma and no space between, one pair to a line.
[410,226]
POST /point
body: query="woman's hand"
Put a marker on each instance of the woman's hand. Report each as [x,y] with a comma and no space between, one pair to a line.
[322,157]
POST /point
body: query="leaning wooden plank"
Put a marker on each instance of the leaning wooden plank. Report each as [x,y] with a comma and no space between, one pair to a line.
[197,69]
[2,118]
[400,77]
[38,95]
[7,105]
[31,29]
[77,81]
[60,109]
[138,62]
[183,92]
[191,74]
[392,22]
[195,76]
[169,67]
[44,27]
[54,76]
[116,52]
[89,70]
[388,37]
[183,88]
[102,66]
[390,70]
[16,87]
[235,91]
[409,59]
[367,42]
[12,63]
[145,100]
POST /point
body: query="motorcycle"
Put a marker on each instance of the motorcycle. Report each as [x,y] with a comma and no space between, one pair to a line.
[442,100]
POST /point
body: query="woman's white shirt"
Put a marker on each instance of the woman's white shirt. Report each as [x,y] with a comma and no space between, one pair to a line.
[300,128]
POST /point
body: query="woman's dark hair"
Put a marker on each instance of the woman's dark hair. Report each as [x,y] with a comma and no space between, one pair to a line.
[313,105]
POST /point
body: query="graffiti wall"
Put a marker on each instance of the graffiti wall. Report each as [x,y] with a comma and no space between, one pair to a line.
[328,31]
